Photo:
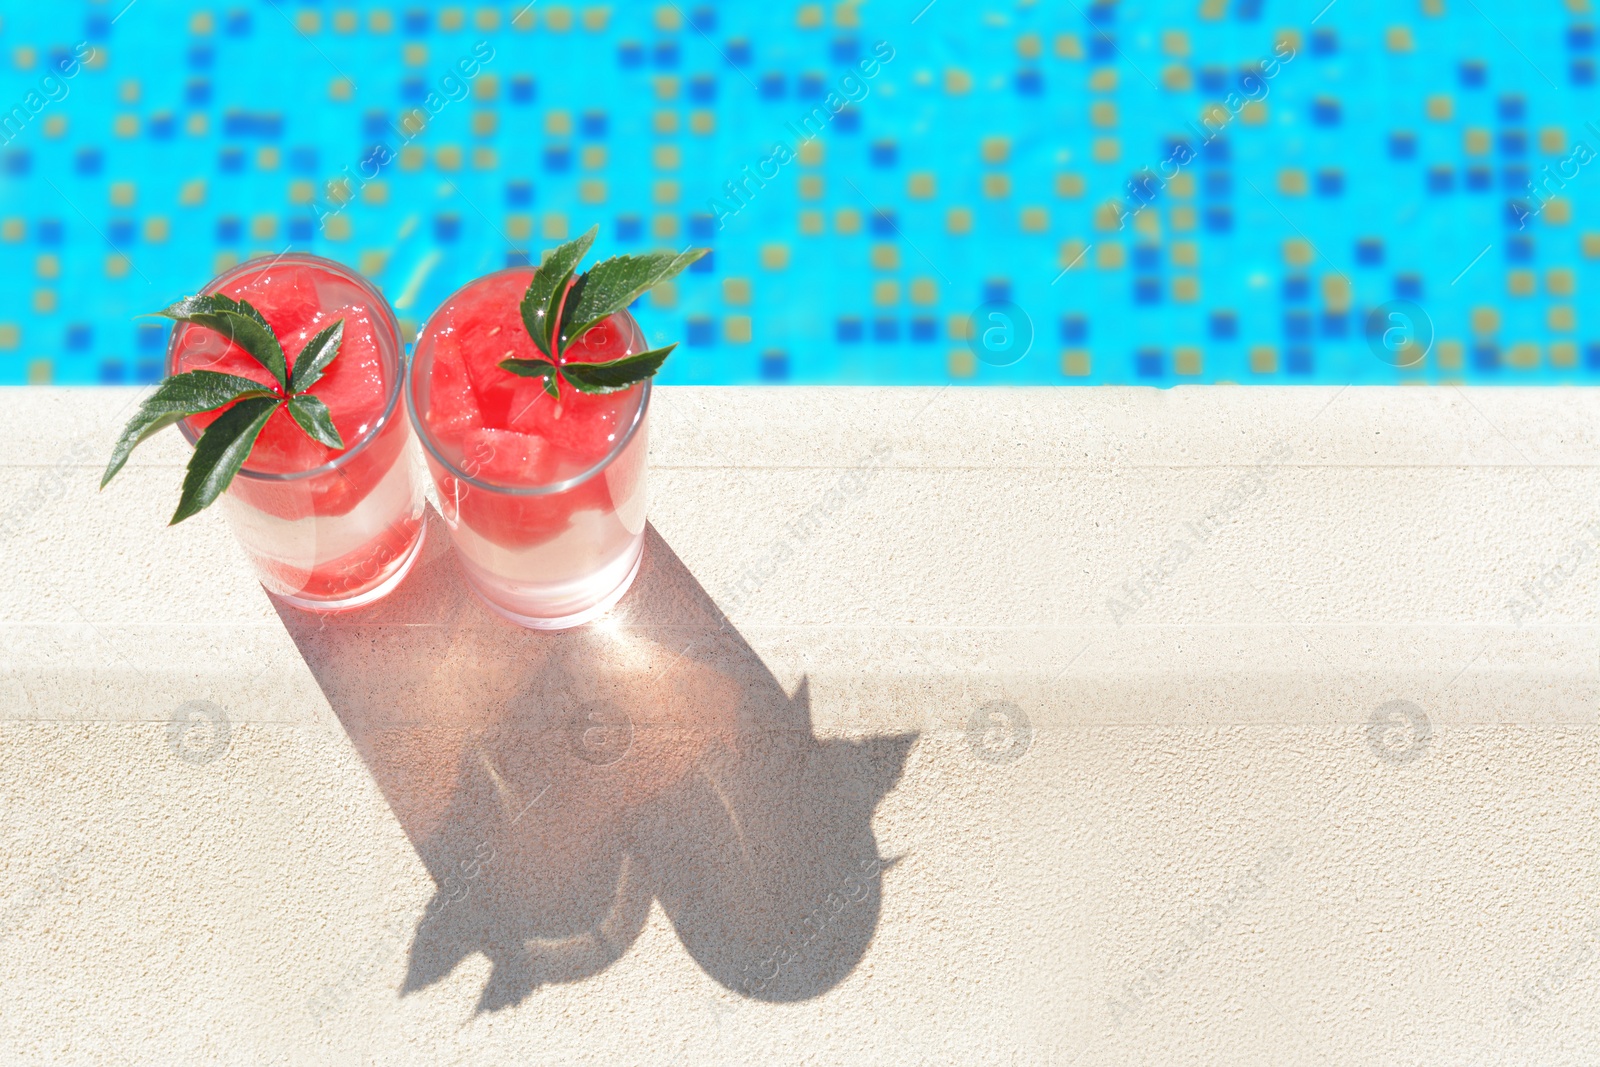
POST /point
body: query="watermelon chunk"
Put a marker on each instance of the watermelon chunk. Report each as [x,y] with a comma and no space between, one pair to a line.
[452,404]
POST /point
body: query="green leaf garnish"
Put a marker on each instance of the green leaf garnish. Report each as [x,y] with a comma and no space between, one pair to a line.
[220,452]
[555,299]
[176,398]
[616,374]
[536,368]
[240,323]
[608,287]
[314,418]
[226,443]
[315,357]
[549,283]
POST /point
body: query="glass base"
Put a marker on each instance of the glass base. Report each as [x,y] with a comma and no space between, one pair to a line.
[564,622]
[369,596]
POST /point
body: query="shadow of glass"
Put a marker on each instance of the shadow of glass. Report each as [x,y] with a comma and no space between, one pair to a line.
[554,784]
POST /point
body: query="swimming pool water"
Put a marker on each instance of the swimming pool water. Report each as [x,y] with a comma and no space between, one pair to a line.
[1249,191]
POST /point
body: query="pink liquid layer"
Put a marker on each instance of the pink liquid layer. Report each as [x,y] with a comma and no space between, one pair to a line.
[333,536]
[548,552]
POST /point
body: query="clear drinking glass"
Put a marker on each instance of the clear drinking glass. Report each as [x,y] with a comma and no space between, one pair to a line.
[327,530]
[544,499]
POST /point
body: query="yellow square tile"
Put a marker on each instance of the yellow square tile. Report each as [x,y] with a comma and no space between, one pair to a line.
[308,22]
[1182,186]
[666,157]
[1103,113]
[55,125]
[47,265]
[1553,139]
[192,192]
[958,220]
[412,157]
[10,336]
[336,228]
[23,57]
[1029,46]
[201,23]
[1068,46]
[122,194]
[847,15]
[1398,39]
[1075,363]
[963,364]
[809,16]
[451,19]
[664,227]
[1185,289]
[1035,220]
[1071,255]
[39,372]
[736,291]
[1292,182]
[1109,255]
[957,82]
[702,122]
[484,158]
[44,300]
[593,191]
[847,220]
[1254,113]
[736,329]
[596,18]
[885,292]
[1441,107]
[1561,317]
[996,186]
[1176,79]
[1590,243]
[810,187]
[125,126]
[666,86]
[524,19]
[885,256]
[1563,354]
[958,326]
[1147,223]
[519,227]
[484,123]
[1485,320]
[665,123]
[1211,9]
[924,291]
[920,187]
[1477,142]
[156,229]
[128,91]
[1297,252]
[267,158]
[1521,282]
[1524,355]
[1287,41]
[1558,211]
[1449,354]
[1183,218]
[487,19]
[486,88]
[372,262]
[811,223]
[1433,8]
[380,22]
[262,227]
[558,123]
[775,256]
[1336,292]
[1107,150]
[13,230]
[447,157]
[811,153]
[1069,185]
[558,19]
[346,22]
[1263,359]
[996,150]
[1185,254]
[553,227]
[1186,361]
[593,157]
[1561,282]
[665,192]
[1175,42]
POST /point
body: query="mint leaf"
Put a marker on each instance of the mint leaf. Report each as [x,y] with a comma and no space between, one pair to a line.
[178,396]
[240,323]
[609,286]
[535,368]
[616,374]
[315,357]
[220,452]
[315,419]
[549,282]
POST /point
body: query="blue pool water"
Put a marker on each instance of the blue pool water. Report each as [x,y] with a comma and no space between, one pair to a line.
[1139,192]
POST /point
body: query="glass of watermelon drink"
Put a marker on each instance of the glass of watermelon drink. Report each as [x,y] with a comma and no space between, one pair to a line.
[544,496]
[327,529]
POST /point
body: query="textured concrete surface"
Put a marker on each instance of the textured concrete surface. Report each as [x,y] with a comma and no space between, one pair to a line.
[1208,726]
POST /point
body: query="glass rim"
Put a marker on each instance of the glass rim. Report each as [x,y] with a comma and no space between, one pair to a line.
[426,436]
[379,304]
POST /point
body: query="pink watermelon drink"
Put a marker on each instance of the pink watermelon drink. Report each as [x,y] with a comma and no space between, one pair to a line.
[539,461]
[330,523]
